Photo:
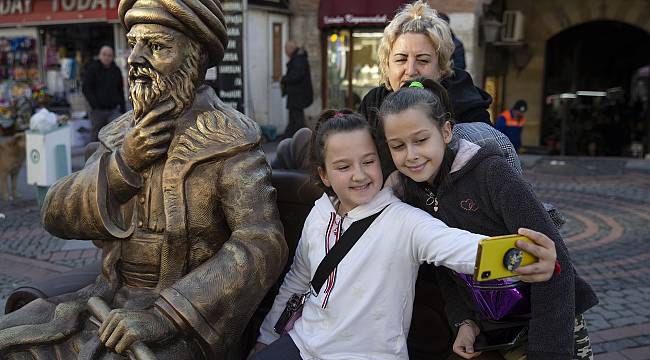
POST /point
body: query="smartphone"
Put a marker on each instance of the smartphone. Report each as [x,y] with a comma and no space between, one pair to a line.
[501,340]
[498,256]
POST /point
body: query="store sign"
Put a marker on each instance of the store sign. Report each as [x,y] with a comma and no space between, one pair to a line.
[12,7]
[352,20]
[230,73]
[82,5]
[16,12]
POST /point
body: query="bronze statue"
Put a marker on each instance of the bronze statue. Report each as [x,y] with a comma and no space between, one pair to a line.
[179,197]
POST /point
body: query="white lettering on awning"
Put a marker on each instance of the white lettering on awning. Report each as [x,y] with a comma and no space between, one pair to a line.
[349,19]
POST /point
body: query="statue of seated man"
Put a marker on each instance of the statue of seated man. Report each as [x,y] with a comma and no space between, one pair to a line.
[179,197]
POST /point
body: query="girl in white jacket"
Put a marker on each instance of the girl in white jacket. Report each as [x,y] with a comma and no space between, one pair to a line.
[363,310]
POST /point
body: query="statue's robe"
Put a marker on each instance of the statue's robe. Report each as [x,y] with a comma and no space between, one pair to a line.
[196,235]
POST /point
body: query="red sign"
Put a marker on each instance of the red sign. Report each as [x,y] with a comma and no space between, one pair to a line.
[39,12]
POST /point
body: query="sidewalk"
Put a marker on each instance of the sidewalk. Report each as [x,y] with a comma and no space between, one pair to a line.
[606,202]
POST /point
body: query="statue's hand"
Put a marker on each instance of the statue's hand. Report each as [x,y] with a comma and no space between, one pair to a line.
[124,327]
[149,139]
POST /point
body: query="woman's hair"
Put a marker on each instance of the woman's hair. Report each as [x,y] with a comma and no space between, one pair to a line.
[432,99]
[417,18]
[332,122]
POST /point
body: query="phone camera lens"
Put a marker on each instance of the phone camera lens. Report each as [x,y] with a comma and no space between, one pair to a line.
[485,274]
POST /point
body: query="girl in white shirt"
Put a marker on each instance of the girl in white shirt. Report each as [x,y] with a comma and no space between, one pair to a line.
[363,310]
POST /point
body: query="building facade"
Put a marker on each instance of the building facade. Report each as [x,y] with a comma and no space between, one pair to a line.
[342,37]
[582,66]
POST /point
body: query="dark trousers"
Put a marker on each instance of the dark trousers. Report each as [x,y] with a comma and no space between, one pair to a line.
[282,349]
[99,118]
[296,121]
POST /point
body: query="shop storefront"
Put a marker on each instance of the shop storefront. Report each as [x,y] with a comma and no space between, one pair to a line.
[352,31]
[48,43]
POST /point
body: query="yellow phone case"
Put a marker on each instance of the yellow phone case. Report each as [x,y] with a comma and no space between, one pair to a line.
[497,256]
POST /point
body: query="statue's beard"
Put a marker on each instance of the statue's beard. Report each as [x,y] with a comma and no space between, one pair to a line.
[148,88]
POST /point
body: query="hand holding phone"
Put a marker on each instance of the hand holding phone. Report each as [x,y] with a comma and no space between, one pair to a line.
[498,257]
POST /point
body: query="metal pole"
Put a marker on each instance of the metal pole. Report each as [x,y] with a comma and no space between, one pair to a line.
[565,113]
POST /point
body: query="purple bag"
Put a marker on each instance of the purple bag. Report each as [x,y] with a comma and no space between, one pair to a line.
[499,299]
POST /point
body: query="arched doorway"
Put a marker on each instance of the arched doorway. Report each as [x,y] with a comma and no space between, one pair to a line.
[601,57]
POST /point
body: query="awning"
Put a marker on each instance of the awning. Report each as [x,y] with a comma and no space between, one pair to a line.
[44,12]
[355,13]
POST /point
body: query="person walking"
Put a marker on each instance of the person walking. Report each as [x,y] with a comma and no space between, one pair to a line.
[103,89]
[511,122]
[296,85]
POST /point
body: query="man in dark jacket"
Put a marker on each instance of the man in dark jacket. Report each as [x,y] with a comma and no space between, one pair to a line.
[296,84]
[102,87]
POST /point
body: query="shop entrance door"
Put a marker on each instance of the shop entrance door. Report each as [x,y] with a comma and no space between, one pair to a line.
[279,33]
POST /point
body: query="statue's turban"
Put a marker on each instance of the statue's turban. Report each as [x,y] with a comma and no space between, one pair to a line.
[201,20]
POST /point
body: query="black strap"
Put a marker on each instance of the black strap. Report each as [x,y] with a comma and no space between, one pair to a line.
[340,249]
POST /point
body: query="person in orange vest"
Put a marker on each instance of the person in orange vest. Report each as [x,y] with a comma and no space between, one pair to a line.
[511,122]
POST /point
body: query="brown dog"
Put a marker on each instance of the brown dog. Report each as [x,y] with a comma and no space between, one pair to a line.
[12,156]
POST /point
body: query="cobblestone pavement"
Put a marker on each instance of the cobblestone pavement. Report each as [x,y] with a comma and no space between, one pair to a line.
[607,206]
[606,203]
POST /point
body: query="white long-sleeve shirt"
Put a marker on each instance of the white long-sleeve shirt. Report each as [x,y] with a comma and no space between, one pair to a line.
[366,314]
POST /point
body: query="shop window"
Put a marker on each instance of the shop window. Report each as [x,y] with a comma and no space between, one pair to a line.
[352,66]
[338,49]
[365,65]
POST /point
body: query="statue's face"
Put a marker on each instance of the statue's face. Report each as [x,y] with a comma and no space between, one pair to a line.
[164,64]
[162,48]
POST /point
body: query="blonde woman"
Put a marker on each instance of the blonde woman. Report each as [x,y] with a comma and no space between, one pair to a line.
[418,43]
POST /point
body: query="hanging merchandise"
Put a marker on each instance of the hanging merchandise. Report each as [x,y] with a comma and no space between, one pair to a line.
[68,68]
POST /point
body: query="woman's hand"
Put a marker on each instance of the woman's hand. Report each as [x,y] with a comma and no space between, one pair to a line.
[257,348]
[544,250]
[464,343]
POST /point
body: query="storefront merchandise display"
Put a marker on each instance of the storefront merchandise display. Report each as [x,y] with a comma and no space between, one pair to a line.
[18,59]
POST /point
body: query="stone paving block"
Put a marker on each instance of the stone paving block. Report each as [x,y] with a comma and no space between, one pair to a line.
[60,255]
[73,254]
[89,253]
[593,316]
[642,340]
[626,313]
[629,331]
[614,308]
[610,356]
[610,315]
[618,345]
[644,328]
[598,325]
[619,300]
[640,353]
[43,257]
[628,320]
